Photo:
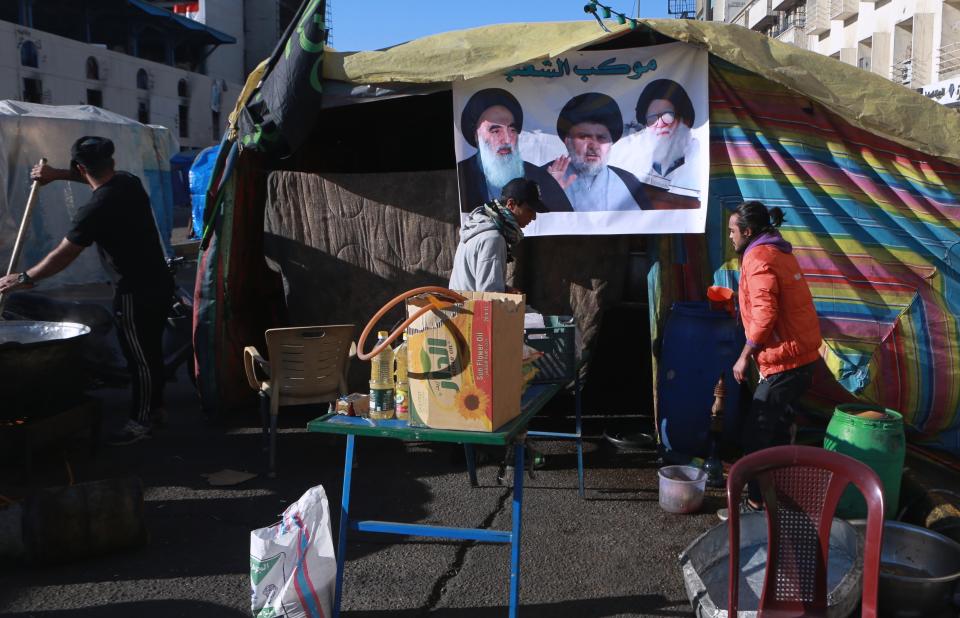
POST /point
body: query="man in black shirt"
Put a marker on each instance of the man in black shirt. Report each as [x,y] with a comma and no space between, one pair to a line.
[119,219]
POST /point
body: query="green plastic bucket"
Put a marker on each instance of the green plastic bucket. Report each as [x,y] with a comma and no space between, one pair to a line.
[877,442]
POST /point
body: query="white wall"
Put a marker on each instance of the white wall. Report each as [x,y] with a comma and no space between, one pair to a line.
[262,31]
[883,17]
[62,68]
[227,17]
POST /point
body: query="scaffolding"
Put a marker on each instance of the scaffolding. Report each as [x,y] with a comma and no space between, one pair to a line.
[682,9]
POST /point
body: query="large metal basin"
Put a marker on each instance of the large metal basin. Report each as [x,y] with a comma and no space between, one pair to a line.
[919,570]
[705,564]
[39,362]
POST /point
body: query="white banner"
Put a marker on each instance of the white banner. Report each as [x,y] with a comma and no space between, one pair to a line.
[618,140]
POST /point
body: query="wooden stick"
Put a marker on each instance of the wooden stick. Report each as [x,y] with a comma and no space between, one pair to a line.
[24,222]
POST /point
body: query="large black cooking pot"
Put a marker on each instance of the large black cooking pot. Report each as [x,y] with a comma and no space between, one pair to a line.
[40,365]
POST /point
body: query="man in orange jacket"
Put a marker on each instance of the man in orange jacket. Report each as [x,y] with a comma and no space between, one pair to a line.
[781,326]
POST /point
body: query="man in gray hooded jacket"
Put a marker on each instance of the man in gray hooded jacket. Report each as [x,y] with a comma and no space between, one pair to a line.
[489,234]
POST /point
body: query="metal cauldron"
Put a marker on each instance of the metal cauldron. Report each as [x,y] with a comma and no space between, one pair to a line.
[40,362]
[919,570]
[704,564]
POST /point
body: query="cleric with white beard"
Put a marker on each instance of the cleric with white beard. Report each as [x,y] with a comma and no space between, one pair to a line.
[491,122]
[664,152]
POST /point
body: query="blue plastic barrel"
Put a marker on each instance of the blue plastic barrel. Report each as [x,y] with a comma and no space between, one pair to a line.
[698,345]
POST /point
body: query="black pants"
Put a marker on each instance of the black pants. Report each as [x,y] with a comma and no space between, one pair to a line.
[771,413]
[140,319]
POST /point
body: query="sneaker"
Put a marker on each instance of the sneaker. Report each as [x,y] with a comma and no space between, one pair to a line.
[129,433]
[745,507]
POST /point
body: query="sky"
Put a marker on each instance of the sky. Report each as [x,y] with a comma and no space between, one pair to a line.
[374,24]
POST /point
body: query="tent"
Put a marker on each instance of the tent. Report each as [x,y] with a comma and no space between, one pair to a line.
[29,131]
[318,179]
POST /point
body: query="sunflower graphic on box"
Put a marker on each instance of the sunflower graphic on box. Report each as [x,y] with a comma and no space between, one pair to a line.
[472,403]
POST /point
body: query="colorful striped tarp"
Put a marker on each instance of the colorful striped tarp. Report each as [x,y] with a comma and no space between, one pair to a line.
[875,227]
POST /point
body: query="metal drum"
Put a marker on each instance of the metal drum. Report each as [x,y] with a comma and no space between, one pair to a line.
[40,361]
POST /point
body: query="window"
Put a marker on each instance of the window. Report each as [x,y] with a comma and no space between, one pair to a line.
[32,90]
[143,81]
[93,68]
[143,112]
[184,117]
[183,89]
[95,97]
[216,126]
[28,54]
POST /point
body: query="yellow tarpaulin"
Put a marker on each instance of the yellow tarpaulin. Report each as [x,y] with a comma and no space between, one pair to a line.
[864,99]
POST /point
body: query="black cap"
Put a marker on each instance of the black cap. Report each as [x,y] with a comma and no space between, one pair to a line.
[524,191]
[591,107]
[480,102]
[90,150]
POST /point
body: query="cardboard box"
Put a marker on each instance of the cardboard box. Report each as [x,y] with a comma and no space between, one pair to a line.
[464,362]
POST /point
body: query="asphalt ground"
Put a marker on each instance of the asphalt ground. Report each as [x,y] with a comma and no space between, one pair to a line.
[613,553]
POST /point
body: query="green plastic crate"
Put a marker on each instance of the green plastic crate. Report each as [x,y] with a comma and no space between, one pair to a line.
[557,342]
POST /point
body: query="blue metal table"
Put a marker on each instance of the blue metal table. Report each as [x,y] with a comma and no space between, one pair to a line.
[513,433]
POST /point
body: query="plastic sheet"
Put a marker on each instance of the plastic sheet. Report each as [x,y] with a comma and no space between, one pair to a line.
[30,131]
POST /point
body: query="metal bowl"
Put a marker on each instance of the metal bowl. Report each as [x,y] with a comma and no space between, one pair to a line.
[40,361]
[919,570]
[704,564]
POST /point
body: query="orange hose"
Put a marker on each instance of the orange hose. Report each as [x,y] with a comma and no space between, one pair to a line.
[435,304]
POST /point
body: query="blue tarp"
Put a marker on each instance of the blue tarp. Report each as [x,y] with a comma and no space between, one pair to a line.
[200,173]
[180,177]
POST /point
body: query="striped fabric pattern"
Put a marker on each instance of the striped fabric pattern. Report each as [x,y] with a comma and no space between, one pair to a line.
[875,227]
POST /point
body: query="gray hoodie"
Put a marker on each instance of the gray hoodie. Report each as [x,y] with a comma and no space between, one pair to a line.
[480,264]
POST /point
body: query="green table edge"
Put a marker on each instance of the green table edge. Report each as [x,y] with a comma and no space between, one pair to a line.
[534,399]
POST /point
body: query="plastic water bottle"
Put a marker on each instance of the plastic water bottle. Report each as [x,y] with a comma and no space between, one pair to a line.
[402,389]
[381,381]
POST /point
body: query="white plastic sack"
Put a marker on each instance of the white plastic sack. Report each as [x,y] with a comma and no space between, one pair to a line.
[292,566]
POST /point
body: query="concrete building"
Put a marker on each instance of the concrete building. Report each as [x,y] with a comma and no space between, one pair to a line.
[157,62]
[912,42]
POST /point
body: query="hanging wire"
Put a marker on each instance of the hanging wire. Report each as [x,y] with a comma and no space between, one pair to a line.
[608,12]
[592,9]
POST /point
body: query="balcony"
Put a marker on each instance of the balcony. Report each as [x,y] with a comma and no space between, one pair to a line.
[948,59]
[759,15]
[734,9]
[842,9]
[792,30]
[783,5]
[902,71]
[818,16]
[794,36]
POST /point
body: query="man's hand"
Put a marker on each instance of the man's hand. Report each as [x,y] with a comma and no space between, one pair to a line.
[11,282]
[44,174]
[740,368]
[558,169]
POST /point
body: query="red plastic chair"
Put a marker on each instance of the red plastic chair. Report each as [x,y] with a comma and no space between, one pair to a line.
[801,486]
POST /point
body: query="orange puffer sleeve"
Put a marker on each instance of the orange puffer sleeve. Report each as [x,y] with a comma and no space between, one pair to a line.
[764,290]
